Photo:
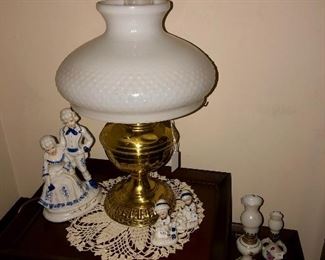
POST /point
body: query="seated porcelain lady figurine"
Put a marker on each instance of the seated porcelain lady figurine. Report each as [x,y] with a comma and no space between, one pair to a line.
[165,233]
[188,212]
[64,196]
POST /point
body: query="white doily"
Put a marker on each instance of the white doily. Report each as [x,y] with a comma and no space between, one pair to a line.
[98,233]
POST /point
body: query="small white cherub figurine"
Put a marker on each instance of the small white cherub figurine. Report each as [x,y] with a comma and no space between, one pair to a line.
[165,232]
[77,141]
[64,196]
[188,211]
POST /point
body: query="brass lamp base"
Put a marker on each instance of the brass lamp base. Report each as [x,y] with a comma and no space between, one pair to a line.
[126,205]
[138,149]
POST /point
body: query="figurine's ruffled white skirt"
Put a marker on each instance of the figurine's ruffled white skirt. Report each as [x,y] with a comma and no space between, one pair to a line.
[91,199]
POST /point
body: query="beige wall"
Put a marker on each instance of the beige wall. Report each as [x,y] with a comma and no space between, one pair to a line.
[8,187]
[265,122]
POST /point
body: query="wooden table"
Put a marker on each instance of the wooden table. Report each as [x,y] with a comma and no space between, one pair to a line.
[27,235]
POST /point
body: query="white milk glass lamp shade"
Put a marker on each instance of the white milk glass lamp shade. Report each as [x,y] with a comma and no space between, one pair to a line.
[136,71]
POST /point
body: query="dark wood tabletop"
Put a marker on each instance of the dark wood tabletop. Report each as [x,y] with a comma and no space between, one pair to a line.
[27,235]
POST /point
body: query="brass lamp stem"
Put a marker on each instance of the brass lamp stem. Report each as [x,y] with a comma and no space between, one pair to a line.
[138,149]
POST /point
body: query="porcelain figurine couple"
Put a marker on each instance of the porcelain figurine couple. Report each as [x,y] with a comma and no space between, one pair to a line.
[166,230]
[64,195]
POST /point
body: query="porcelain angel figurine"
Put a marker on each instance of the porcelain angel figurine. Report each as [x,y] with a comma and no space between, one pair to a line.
[64,196]
[77,141]
[165,232]
[187,218]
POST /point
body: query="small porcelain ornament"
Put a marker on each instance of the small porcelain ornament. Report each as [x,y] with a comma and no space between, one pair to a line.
[275,224]
[251,218]
[64,196]
[273,248]
[187,218]
[77,141]
[165,231]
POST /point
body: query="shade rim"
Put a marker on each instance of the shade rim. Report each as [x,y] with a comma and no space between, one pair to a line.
[150,117]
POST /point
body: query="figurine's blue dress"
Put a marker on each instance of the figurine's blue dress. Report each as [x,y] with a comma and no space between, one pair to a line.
[62,188]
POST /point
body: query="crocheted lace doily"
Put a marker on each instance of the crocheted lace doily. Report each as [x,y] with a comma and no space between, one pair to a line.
[98,233]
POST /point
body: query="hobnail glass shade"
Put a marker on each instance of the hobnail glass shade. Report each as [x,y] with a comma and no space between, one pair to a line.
[136,71]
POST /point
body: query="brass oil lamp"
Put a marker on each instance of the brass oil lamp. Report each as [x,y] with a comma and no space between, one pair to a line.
[138,77]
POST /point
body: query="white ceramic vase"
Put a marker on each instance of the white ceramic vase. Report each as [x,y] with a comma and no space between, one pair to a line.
[251,218]
[276,222]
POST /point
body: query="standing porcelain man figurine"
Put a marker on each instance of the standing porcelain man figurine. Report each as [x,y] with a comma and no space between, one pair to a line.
[189,210]
[77,141]
[165,232]
[64,196]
